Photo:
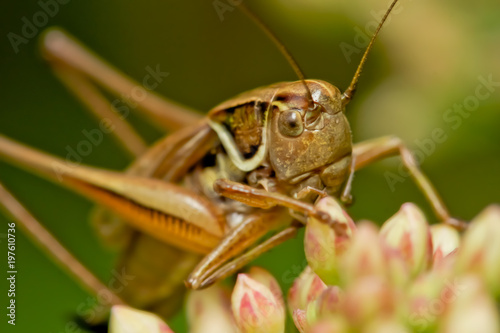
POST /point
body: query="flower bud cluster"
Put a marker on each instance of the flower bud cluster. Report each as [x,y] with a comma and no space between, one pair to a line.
[407,276]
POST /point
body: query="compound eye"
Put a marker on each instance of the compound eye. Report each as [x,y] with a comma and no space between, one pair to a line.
[290,123]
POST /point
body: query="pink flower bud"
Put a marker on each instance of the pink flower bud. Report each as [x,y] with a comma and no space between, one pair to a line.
[445,240]
[335,324]
[428,298]
[334,210]
[300,320]
[255,307]
[125,320]
[397,269]
[473,310]
[268,280]
[322,245]
[369,298]
[329,302]
[209,311]
[480,249]
[407,233]
[365,256]
[305,289]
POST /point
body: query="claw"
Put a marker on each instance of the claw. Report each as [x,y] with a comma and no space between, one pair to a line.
[457,224]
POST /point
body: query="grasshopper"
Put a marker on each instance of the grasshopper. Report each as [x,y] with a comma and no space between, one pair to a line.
[198,192]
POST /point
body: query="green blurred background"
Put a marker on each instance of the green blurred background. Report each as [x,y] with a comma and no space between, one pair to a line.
[428,58]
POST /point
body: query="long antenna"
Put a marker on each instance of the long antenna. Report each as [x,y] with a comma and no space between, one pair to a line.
[349,93]
[288,56]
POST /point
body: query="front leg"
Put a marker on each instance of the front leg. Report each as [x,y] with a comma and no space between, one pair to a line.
[259,198]
[228,256]
[256,225]
[264,199]
[228,269]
